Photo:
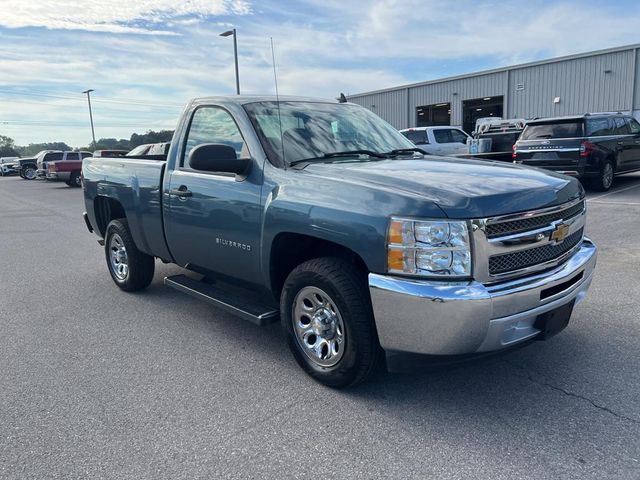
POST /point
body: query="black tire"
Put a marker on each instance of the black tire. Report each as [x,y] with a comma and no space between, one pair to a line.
[139,266]
[346,286]
[604,180]
[29,172]
[75,180]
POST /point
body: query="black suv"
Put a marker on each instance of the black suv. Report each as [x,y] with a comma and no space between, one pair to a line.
[592,147]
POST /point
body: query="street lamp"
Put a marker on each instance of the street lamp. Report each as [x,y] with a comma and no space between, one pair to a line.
[235,54]
[93,135]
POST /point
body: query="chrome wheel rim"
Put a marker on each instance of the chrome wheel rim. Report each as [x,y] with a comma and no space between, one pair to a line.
[607,175]
[30,173]
[118,257]
[318,327]
[78,181]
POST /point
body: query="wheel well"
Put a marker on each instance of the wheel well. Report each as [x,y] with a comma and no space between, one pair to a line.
[291,249]
[107,209]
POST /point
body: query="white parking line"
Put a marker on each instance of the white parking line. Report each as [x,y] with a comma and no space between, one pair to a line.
[616,203]
[611,193]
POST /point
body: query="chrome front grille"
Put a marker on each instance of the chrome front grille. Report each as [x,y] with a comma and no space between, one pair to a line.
[531,223]
[516,245]
[534,256]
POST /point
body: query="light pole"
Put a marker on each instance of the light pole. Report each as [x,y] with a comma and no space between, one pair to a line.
[93,135]
[235,55]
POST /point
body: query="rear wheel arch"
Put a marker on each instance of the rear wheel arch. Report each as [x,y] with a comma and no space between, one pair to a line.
[107,209]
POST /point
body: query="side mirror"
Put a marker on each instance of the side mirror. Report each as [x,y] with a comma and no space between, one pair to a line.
[217,157]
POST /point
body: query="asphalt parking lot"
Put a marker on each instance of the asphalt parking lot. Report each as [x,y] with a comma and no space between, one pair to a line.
[97,383]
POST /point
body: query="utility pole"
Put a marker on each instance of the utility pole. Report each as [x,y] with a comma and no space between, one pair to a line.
[93,134]
[235,55]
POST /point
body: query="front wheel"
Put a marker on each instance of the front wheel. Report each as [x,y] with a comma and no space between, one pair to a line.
[29,173]
[130,269]
[327,317]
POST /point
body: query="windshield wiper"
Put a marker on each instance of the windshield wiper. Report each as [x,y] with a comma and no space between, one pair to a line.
[398,151]
[347,153]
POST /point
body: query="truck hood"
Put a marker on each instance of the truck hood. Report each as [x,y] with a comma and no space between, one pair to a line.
[461,188]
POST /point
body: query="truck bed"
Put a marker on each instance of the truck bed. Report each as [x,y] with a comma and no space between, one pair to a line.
[136,183]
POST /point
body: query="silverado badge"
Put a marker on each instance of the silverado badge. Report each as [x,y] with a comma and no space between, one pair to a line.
[560,233]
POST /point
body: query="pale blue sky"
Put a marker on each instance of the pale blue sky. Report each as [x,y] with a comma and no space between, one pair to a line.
[145,59]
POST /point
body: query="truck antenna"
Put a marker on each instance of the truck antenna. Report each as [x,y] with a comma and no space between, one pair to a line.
[275,79]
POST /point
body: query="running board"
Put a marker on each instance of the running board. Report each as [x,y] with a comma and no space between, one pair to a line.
[232,302]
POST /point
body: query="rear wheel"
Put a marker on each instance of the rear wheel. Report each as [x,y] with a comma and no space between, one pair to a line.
[604,180]
[29,172]
[75,180]
[130,269]
[327,317]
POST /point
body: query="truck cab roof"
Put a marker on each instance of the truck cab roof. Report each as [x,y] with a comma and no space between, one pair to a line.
[245,99]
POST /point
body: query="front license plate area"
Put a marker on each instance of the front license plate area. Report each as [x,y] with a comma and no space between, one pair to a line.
[554,321]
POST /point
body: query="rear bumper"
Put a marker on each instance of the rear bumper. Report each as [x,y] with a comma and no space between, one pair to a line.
[457,318]
[58,176]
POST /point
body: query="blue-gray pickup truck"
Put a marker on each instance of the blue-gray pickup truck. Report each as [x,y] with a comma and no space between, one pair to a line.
[321,215]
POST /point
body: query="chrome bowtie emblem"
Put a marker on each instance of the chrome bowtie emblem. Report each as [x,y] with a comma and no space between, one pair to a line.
[560,233]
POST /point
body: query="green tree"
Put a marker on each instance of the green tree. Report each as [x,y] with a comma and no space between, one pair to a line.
[7,147]
[34,148]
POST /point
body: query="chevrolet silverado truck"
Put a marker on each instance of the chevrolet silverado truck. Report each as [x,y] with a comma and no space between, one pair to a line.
[28,167]
[323,216]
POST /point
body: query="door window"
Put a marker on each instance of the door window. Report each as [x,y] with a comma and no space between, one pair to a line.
[442,136]
[213,125]
[72,156]
[621,127]
[53,157]
[418,137]
[458,137]
[598,127]
[634,126]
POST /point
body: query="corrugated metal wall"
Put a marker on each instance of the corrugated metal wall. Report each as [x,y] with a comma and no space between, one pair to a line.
[592,83]
[455,92]
[636,82]
[392,106]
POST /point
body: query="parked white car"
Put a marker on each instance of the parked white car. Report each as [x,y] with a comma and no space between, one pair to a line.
[7,166]
[443,140]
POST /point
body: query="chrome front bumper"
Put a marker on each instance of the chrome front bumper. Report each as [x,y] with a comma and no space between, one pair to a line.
[451,318]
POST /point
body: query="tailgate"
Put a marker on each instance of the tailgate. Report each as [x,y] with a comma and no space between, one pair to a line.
[555,153]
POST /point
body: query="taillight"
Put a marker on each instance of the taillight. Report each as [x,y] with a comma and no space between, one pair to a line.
[514,153]
[52,167]
[586,148]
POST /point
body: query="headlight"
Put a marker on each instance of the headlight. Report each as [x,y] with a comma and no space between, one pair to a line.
[435,248]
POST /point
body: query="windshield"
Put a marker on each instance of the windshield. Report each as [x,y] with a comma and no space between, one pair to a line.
[312,130]
[139,150]
[552,130]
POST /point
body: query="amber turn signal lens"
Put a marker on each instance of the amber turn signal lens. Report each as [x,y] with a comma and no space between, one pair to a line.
[395,232]
[395,259]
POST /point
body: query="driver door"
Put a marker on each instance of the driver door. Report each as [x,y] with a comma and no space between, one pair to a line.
[212,220]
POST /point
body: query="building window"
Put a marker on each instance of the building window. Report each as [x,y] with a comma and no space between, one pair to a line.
[432,115]
[485,107]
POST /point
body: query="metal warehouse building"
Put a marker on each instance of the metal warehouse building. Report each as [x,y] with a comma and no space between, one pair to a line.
[601,81]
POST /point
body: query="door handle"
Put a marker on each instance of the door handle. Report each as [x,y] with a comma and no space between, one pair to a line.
[182,192]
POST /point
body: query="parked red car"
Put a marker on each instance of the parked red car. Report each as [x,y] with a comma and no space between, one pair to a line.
[67,171]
